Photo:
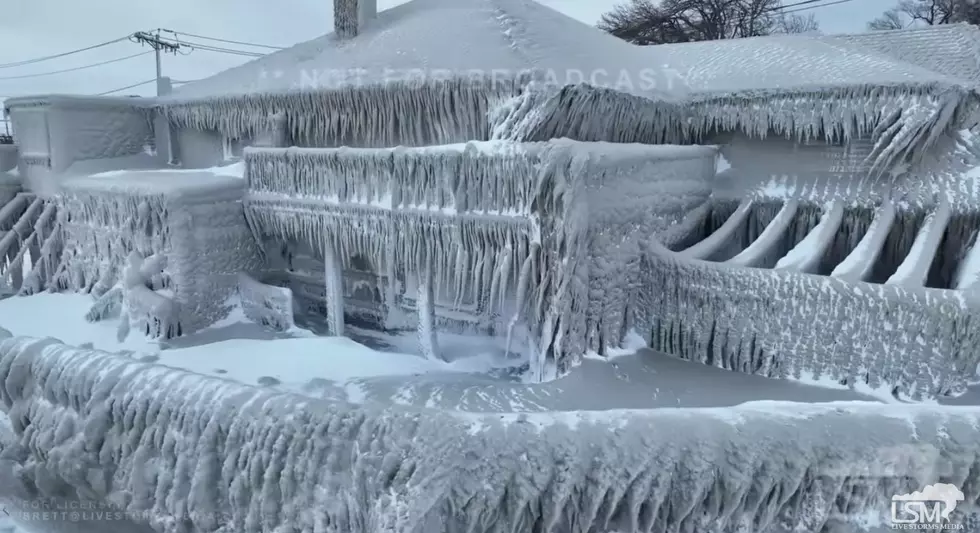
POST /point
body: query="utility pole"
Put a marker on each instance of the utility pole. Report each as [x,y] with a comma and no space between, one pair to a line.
[159,44]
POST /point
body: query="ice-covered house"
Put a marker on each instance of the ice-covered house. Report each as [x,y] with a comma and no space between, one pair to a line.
[405,171]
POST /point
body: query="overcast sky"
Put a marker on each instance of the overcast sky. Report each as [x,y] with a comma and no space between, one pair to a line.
[36,28]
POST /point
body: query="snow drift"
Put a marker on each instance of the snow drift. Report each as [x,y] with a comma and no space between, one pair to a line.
[200,453]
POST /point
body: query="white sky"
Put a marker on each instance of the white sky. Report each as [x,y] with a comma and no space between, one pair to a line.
[36,28]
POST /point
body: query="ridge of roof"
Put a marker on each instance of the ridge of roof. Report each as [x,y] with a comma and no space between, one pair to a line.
[438,39]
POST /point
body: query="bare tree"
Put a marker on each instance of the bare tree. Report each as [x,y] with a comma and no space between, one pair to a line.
[930,12]
[647,22]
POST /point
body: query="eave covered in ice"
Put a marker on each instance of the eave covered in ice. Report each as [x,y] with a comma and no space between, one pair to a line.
[425,72]
[805,88]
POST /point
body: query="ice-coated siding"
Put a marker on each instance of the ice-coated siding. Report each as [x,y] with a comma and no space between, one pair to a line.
[81,131]
[198,148]
[8,157]
[815,168]
[55,132]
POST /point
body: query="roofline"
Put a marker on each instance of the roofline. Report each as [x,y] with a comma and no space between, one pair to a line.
[78,100]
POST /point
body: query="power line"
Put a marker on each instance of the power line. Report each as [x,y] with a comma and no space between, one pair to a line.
[209,48]
[127,87]
[63,54]
[83,67]
[228,41]
[835,2]
[805,5]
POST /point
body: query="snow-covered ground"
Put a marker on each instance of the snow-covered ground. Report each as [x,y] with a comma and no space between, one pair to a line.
[477,378]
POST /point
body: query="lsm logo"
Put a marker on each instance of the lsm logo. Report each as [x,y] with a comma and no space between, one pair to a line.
[928,509]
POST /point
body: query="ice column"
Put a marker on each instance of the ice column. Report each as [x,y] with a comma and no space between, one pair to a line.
[275,134]
[334,289]
[425,305]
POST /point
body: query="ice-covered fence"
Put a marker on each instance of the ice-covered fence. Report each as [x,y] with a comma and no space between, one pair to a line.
[197,452]
[195,219]
[918,342]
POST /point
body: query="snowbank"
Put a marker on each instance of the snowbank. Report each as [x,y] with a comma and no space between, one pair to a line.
[190,450]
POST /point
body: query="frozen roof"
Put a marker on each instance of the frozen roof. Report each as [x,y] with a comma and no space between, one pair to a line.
[438,38]
[951,49]
[807,87]
[777,64]
[198,186]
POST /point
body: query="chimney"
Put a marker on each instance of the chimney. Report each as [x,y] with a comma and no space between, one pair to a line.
[349,16]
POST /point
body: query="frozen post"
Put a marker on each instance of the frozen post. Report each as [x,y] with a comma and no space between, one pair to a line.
[334,289]
[425,306]
[349,16]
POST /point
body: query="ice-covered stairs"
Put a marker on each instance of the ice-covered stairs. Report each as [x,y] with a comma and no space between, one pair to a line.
[28,235]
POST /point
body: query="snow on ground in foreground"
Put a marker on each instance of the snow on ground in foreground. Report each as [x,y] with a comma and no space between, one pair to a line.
[232,348]
[478,379]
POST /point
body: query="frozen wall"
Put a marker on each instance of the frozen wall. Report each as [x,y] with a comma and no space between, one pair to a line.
[916,342]
[198,148]
[630,192]
[55,132]
[194,219]
[8,157]
[200,453]
[815,166]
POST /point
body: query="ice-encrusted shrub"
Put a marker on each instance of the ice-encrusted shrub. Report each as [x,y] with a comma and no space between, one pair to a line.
[917,342]
[152,312]
[200,453]
[267,305]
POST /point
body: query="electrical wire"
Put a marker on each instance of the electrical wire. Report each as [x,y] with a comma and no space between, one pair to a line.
[127,87]
[807,8]
[804,5]
[63,54]
[228,41]
[83,67]
[209,48]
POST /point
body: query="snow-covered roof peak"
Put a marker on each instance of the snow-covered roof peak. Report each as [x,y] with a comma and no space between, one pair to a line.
[787,63]
[440,39]
[950,49]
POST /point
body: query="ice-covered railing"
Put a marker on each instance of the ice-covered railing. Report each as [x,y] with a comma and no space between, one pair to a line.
[545,233]
[201,453]
[916,342]
[482,178]
[30,243]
